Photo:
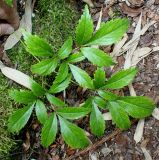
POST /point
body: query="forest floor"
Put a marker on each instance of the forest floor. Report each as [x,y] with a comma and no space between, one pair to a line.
[115,144]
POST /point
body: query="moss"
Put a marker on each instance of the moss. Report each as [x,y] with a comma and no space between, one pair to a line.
[5,110]
[54,21]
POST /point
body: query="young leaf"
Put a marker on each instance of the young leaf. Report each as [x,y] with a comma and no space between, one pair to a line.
[100,102]
[36,88]
[97,57]
[82,78]
[66,49]
[37,46]
[45,67]
[49,131]
[107,95]
[73,112]
[58,87]
[84,28]
[137,107]
[19,119]
[76,57]
[119,116]
[55,101]
[41,111]
[62,73]
[97,122]
[110,32]
[99,78]
[121,79]
[74,136]
[22,96]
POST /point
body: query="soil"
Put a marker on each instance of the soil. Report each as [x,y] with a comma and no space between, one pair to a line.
[121,146]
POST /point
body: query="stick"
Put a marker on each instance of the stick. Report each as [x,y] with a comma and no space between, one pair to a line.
[96,145]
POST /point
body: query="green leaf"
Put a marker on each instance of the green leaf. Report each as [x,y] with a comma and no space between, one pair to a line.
[62,73]
[121,79]
[55,101]
[110,32]
[97,123]
[9,2]
[20,118]
[99,78]
[66,49]
[76,57]
[41,111]
[137,107]
[97,57]
[73,112]
[36,45]
[58,87]
[88,103]
[45,67]
[74,136]
[119,116]
[36,88]
[49,131]
[22,96]
[81,77]
[100,102]
[108,95]
[84,28]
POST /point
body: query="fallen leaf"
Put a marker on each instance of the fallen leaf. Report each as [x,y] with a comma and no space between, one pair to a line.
[155,113]
[136,3]
[25,23]
[89,2]
[107,116]
[139,131]
[132,12]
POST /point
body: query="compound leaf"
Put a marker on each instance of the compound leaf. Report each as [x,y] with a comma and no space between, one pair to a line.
[76,57]
[74,136]
[99,78]
[97,123]
[121,79]
[110,32]
[41,111]
[84,28]
[45,67]
[58,87]
[22,96]
[49,131]
[73,112]
[119,115]
[137,107]
[62,73]
[97,57]
[66,49]
[55,101]
[36,45]
[20,118]
[81,77]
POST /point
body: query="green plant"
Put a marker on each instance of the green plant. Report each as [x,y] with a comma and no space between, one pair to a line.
[62,66]
[9,2]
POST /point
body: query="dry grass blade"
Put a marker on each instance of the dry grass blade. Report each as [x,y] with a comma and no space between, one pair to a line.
[107,116]
[16,76]
[139,130]
[89,2]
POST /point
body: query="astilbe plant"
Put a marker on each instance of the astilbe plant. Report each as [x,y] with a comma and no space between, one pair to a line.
[62,65]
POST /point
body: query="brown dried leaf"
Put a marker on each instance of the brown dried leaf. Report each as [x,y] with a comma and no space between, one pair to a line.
[132,12]
[136,3]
